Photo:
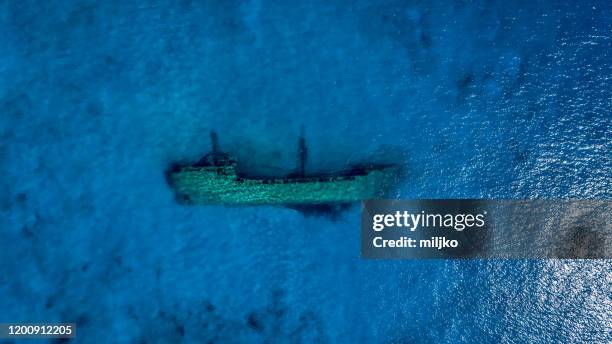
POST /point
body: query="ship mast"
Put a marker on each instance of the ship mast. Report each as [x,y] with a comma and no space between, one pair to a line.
[214,141]
[302,154]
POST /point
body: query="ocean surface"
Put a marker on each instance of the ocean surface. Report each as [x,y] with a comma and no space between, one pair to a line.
[476,99]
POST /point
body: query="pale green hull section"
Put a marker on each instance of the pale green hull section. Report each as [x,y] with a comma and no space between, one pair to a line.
[220,185]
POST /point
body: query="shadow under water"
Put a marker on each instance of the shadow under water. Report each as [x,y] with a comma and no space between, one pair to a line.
[332,211]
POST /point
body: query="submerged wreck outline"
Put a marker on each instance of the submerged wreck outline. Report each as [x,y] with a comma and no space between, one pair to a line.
[215,179]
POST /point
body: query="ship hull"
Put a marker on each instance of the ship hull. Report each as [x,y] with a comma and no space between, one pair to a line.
[194,185]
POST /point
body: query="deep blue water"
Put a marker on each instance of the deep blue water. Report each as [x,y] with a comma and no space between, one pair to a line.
[485,99]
